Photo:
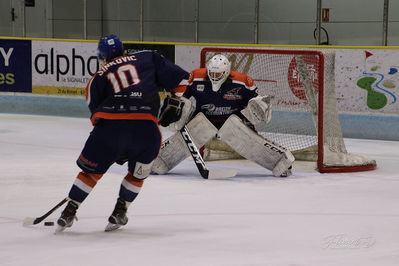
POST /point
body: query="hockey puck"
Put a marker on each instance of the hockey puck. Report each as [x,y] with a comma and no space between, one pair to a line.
[48,223]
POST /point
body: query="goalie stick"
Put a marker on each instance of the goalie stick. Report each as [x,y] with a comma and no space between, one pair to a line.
[31,221]
[199,162]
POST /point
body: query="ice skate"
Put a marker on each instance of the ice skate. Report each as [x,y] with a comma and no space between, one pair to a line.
[118,216]
[67,217]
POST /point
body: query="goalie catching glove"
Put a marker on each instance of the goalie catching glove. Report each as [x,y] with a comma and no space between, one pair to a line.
[171,110]
[186,113]
[258,109]
[176,112]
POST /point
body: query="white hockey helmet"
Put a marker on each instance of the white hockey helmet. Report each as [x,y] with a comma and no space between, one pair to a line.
[218,68]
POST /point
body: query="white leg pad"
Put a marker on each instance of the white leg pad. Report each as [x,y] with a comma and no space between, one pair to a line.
[174,149]
[254,147]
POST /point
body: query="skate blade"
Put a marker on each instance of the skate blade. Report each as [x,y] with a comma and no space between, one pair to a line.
[112,227]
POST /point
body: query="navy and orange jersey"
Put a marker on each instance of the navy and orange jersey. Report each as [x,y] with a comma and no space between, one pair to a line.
[231,98]
[127,87]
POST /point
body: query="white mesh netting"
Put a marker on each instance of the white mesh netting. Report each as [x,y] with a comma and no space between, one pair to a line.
[296,79]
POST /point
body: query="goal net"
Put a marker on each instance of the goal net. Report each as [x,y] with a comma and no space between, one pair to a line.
[305,113]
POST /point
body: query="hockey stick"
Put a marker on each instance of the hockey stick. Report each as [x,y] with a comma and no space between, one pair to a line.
[199,162]
[31,221]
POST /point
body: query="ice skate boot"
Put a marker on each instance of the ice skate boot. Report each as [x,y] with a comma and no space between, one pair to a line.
[118,216]
[67,216]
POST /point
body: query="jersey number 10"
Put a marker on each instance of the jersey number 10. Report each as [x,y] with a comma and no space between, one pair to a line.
[123,72]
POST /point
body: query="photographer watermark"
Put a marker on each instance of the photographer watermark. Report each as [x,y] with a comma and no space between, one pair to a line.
[343,241]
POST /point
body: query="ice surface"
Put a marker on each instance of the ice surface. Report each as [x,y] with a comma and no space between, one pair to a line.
[182,219]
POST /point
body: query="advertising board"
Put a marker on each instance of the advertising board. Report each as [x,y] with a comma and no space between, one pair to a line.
[63,68]
[15,66]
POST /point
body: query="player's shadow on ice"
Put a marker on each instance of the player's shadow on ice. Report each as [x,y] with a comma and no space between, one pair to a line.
[241,176]
[132,231]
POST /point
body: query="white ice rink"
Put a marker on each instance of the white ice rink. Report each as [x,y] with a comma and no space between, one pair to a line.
[181,219]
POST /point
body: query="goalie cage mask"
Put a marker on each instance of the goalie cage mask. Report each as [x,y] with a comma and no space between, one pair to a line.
[218,69]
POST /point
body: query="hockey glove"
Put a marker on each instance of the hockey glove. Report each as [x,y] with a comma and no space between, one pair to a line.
[187,111]
[258,109]
[171,111]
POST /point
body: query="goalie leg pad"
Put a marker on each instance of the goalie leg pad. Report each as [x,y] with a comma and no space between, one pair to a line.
[174,149]
[172,152]
[255,148]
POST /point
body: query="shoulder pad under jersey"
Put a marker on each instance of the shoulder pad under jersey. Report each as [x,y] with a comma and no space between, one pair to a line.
[197,75]
[243,79]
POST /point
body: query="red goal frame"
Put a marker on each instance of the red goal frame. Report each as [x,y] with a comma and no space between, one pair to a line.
[322,168]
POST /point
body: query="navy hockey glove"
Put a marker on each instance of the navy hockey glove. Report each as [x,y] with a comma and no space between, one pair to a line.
[171,111]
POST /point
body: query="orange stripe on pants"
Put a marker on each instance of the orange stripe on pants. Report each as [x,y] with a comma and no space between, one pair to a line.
[134,181]
[89,179]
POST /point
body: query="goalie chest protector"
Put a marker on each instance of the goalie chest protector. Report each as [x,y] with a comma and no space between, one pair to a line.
[231,98]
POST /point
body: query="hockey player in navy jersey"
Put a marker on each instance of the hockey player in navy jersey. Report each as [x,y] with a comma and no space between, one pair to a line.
[224,107]
[124,103]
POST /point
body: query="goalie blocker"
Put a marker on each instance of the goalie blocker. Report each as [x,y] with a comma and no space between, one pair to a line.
[255,148]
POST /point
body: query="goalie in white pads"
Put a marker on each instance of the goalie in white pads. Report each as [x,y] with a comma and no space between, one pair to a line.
[224,106]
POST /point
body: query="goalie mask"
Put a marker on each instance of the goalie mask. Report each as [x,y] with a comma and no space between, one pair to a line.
[218,69]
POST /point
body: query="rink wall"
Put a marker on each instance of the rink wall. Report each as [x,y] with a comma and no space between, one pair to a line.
[48,77]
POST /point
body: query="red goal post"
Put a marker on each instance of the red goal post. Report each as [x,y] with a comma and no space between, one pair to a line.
[305,112]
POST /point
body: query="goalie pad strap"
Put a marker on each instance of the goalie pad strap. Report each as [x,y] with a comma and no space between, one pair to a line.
[254,147]
[174,149]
